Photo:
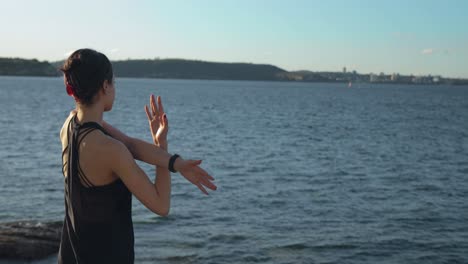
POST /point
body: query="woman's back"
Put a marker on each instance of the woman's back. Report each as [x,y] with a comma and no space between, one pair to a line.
[98,226]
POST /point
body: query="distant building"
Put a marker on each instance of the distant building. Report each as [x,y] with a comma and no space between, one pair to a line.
[394,77]
[373,77]
[344,69]
[422,79]
[417,79]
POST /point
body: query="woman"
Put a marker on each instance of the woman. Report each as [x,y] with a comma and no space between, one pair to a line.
[100,169]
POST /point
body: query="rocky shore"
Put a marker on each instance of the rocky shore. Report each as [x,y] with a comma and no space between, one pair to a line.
[29,240]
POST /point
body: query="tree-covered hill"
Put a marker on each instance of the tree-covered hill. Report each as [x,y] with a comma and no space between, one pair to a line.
[23,67]
[190,69]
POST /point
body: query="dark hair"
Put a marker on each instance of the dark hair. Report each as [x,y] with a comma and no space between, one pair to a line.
[86,70]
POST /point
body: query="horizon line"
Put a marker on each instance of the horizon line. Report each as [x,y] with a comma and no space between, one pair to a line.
[214,61]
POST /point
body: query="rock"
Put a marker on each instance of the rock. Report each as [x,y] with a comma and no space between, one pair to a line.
[29,239]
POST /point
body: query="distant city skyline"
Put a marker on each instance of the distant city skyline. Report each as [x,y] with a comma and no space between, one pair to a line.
[414,37]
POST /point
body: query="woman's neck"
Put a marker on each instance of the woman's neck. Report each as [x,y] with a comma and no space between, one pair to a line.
[93,113]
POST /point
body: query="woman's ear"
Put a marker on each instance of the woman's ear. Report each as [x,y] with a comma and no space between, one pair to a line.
[105,87]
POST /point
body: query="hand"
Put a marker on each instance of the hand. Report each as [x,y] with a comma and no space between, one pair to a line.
[158,122]
[194,174]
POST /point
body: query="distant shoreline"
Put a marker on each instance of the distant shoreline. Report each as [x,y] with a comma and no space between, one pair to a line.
[214,80]
[202,70]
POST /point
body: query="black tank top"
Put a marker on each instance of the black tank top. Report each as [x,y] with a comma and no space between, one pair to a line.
[98,224]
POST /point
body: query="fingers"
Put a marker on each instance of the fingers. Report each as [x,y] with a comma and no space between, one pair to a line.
[204,177]
[202,181]
[153,106]
[195,162]
[200,177]
[201,188]
[147,113]
[208,184]
[209,177]
[160,106]
[204,173]
[164,120]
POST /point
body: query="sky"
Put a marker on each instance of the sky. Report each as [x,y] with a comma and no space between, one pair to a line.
[406,37]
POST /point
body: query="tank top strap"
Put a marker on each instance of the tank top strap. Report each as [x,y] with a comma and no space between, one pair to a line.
[88,125]
[80,131]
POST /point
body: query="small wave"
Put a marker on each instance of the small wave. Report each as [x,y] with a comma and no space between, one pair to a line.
[256,169]
[335,246]
[183,195]
[342,173]
[170,259]
[268,156]
[306,246]
[185,245]
[183,259]
[418,220]
[235,174]
[223,219]
[278,202]
[295,246]
[175,217]
[227,238]
[427,258]
[427,188]
[14,156]
[229,167]
[256,259]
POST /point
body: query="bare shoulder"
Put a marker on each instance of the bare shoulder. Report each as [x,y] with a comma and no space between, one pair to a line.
[111,149]
[112,153]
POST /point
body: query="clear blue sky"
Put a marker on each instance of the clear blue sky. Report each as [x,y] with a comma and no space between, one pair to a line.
[412,36]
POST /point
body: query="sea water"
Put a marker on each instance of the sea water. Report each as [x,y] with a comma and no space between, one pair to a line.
[306,172]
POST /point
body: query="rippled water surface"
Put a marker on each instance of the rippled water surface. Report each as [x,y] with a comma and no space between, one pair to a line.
[307,173]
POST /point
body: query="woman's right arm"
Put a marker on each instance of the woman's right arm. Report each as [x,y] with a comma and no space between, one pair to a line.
[156,197]
[159,127]
[162,183]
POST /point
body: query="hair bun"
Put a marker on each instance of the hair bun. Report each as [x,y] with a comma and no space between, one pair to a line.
[76,62]
[85,71]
